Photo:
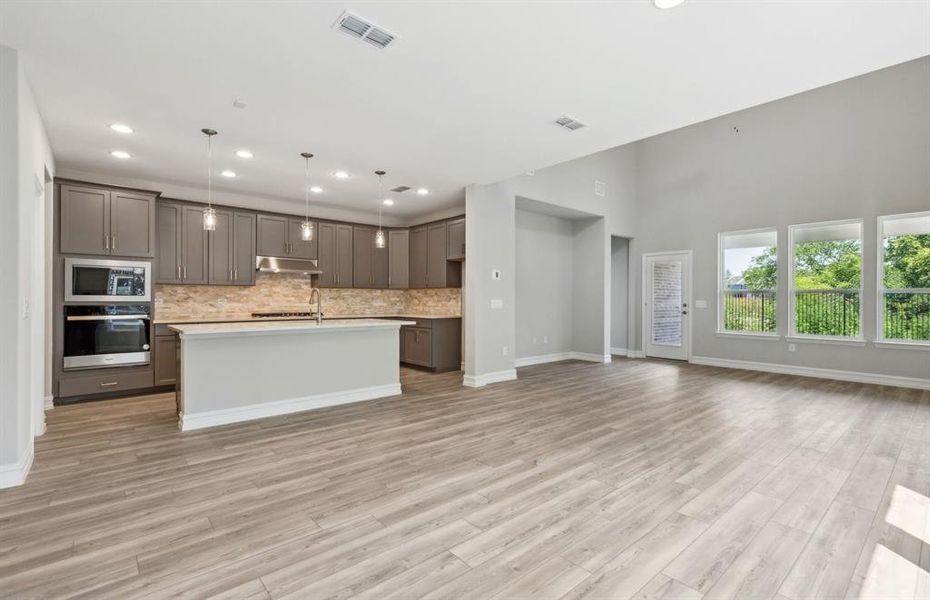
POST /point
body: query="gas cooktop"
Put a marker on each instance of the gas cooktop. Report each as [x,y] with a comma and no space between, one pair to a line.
[283,314]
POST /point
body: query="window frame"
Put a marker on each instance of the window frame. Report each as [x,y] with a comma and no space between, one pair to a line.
[880,340]
[721,292]
[793,334]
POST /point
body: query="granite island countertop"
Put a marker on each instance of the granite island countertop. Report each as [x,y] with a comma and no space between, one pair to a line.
[279,327]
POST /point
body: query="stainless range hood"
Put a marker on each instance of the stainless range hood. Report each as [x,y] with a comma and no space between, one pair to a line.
[273,264]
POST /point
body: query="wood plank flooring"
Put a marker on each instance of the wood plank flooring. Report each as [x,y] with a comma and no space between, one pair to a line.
[638,479]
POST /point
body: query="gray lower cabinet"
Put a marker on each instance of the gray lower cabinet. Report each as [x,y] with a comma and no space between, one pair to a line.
[432,343]
[166,359]
[455,239]
[281,236]
[232,249]
[106,222]
[335,255]
[399,258]
[182,243]
[102,381]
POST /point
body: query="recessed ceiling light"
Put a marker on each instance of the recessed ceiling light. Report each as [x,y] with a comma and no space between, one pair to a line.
[243,154]
[667,3]
[228,173]
[120,128]
[388,202]
[120,154]
[422,191]
[316,189]
[341,175]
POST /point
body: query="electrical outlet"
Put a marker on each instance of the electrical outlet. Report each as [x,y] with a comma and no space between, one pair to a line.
[505,350]
[545,339]
[497,303]
[792,347]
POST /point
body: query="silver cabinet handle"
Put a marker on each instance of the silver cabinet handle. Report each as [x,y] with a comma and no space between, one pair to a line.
[109,384]
[236,274]
[114,242]
[185,272]
[106,241]
[179,271]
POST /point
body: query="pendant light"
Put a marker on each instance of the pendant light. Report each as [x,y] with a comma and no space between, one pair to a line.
[209,213]
[306,228]
[379,235]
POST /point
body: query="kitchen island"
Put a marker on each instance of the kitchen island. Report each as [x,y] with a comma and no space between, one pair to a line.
[232,372]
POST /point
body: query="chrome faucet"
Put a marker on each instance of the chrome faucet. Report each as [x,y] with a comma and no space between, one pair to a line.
[319,304]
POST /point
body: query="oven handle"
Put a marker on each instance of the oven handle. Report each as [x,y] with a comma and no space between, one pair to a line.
[106,317]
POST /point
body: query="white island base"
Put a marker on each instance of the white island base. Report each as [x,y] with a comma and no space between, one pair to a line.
[233,372]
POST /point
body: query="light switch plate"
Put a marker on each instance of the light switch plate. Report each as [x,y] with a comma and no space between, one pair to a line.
[497,303]
[700,304]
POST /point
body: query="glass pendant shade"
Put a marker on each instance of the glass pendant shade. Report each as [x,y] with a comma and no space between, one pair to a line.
[306,231]
[209,219]
[379,239]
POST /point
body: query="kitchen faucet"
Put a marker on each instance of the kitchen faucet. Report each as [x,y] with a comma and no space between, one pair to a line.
[319,304]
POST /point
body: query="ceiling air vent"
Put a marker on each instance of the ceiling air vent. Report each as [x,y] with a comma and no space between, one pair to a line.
[363,29]
[401,188]
[569,123]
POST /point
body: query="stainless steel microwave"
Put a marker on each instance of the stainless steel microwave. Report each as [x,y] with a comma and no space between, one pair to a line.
[99,280]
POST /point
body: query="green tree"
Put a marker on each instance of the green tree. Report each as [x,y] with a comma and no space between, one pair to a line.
[834,264]
[762,272]
[907,261]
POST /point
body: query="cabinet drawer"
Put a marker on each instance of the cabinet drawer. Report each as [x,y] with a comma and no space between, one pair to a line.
[98,383]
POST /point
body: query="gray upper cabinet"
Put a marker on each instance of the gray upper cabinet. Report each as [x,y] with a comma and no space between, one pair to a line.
[232,249]
[105,222]
[132,224]
[244,248]
[398,258]
[335,255]
[436,255]
[182,244]
[370,264]
[363,240]
[455,239]
[168,236]
[194,264]
[419,249]
[272,235]
[281,237]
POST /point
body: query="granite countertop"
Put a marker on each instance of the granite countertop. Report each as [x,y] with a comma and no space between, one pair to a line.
[281,327]
[247,317]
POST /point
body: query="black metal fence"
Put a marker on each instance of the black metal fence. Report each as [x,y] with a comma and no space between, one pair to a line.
[827,312]
[907,315]
[749,311]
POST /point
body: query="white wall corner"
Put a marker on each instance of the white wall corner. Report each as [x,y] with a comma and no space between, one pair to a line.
[49,402]
[15,474]
[836,374]
[488,378]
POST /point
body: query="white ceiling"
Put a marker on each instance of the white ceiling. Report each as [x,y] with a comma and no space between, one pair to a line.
[467,95]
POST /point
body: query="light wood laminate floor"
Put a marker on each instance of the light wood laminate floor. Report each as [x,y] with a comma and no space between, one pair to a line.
[644,479]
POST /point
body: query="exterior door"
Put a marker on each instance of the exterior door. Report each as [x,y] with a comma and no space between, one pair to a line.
[666,309]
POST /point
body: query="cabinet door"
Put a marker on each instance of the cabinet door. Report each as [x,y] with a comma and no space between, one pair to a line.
[194,267]
[326,254]
[419,249]
[85,220]
[455,239]
[272,236]
[168,236]
[166,360]
[297,246]
[363,239]
[344,256]
[221,249]
[398,258]
[132,228]
[379,263]
[244,248]
[417,346]
[436,256]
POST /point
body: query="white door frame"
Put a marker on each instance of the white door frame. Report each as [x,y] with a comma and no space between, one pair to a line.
[686,297]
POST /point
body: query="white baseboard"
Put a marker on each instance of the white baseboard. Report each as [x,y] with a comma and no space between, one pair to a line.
[635,354]
[874,378]
[539,359]
[282,407]
[618,351]
[49,402]
[598,358]
[15,474]
[485,379]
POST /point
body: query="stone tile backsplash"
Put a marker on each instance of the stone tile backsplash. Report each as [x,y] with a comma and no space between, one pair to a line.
[287,292]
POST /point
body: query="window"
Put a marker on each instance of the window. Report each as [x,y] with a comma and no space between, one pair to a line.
[904,277]
[826,279]
[748,274]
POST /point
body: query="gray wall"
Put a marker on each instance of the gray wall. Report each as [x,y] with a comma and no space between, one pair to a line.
[543,284]
[590,279]
[619,292]
[855,149]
